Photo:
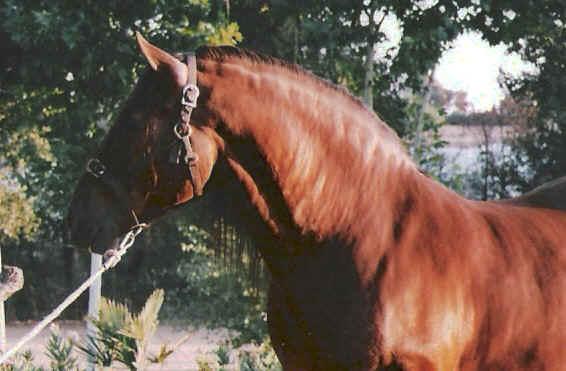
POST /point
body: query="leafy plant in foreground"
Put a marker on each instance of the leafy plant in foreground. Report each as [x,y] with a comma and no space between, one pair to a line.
[223,353]
[124,337]
[21,362]
[59,351]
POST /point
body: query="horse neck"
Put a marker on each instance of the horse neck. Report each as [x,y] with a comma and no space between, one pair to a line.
[332,165]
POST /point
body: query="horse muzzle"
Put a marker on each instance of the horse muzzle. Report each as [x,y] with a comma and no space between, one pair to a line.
[92,221]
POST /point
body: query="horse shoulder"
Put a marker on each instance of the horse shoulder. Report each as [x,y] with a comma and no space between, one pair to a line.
[429,314]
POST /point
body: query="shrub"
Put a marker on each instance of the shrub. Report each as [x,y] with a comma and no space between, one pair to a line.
[59,351]
[124,337]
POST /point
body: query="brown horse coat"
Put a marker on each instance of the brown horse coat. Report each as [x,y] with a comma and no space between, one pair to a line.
[374,265]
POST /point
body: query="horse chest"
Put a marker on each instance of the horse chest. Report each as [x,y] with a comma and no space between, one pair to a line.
[322,314]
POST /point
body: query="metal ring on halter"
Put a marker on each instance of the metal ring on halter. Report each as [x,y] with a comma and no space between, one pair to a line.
[95,167]
[190,95]
[179,134]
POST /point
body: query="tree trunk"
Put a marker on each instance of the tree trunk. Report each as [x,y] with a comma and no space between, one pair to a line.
[373,37]
[420,119]
[368,76]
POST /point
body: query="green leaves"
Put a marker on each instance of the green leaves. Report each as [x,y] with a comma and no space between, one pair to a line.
[16,212]
[59,351]
[65,71]
[123,336]
[228,34]
[142,326]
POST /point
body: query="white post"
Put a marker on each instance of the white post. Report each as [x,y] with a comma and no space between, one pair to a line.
[94,294]
[2,317]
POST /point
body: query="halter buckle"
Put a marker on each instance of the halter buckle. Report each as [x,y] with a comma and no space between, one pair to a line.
[190,96]
[95,167]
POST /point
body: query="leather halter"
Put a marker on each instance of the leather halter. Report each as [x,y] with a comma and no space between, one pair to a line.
[182,130]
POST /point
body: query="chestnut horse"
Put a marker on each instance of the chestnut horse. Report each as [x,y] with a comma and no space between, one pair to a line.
[373,265]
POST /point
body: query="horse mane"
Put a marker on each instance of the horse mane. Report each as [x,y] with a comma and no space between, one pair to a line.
[230,239]
[224,52]
[550,195]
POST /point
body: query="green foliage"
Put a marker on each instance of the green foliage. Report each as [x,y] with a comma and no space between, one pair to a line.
[59,351]
[21,362]
[495,175]
[425,143]
[229,34]
[223,353]
[249,357]
[55,108]
[217,296]
[16,212]
[124,337]
[110,344]
[540,38]
[163,353]
[498,171]
[66,70]
[205,364]
[332,39]
[262,358]
[142,327]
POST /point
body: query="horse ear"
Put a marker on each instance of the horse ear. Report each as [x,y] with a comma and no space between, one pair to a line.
[159,59]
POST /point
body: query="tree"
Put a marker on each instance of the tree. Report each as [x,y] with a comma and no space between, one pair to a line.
[335,39]
[65,70]
[537,31]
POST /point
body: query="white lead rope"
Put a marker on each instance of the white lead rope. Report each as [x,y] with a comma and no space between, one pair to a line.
[112,258]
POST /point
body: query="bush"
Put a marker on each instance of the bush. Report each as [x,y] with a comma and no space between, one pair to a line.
[216,296]
[250,357]
[124,337]
[59,351]
[21,362]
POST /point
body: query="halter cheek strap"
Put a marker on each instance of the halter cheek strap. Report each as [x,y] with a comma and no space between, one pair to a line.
[183,130]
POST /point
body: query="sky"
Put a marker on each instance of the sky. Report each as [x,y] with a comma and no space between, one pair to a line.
[472,65]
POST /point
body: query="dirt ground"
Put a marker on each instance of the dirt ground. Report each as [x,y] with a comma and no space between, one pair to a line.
[200,343]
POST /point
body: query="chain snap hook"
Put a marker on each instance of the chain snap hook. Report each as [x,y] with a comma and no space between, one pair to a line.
[179,130]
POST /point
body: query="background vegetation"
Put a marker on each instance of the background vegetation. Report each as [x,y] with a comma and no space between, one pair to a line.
[65,69]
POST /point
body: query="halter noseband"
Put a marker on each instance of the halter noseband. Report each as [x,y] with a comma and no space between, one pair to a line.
[182,130]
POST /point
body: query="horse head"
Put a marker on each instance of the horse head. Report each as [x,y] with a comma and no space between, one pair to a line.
[155,156]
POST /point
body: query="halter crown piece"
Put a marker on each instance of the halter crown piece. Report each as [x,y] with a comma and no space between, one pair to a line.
[183,128]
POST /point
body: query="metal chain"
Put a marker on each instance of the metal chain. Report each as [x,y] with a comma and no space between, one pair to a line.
[111,261]
[113,256]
